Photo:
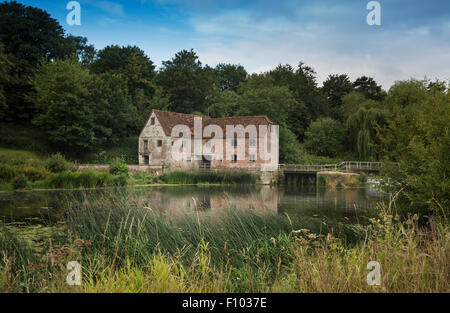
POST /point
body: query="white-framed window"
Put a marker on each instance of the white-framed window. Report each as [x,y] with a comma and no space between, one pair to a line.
[252,142]
[252,157]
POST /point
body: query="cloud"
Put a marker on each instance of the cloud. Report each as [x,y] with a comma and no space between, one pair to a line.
[386,53]
[109,7]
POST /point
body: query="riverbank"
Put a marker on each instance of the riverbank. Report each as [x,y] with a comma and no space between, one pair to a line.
[23,170]
[124,246]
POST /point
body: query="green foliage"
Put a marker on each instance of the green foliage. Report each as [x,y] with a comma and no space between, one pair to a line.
[14,163]
[29,35]
[289,147]
[113,109]
[85,179]
[62,96]
[6,67]
[24,137]
[362,120]
[369,88]
[226,104]
[20,182]
[188,85]
[134,73]
[118,166]
[144,179]
[125,148]
[324,137]
[209,177]
[335,88]
[302,82]
[417,139]
[229,76]
[57,163]
[260,97]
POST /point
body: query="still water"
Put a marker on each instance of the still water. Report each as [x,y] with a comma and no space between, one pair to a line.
[346,205]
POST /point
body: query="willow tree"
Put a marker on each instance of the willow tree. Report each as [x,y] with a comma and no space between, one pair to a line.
[361,126]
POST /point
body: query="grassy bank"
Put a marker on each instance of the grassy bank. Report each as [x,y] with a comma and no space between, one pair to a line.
[123,246]
[27,170]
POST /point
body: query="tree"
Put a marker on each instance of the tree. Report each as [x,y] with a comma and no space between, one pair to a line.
[5,79]
[335,87]
[289,147]
[61,94]
[369,88]
[188,85]
[259,97]
[226,104]
[311,103]
[324,137]
[417,139]
[30,35]
[136,67]
[229,76]
[362,127]
[112,107]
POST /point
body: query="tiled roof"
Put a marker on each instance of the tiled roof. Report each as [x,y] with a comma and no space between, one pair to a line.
[170,119]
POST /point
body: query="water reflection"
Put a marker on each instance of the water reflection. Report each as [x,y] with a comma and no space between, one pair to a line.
[38,206]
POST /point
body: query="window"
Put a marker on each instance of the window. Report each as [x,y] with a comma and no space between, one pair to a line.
[234,158]
[252,158]
[145,145]
[234,143]
[159,143]
[188,157]
[152,121]
[252,142]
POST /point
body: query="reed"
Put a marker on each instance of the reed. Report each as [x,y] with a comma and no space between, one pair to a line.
[211,177]
[124,246]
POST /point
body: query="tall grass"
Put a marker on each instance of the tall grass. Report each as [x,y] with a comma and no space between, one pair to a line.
[125,246]
[85,179]
[212,177]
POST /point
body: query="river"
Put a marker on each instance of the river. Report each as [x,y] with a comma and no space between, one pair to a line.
[342,205]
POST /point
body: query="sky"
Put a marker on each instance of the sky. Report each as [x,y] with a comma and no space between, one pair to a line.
[331,36]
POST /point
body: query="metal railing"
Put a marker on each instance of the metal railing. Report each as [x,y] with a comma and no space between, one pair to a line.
[343,166]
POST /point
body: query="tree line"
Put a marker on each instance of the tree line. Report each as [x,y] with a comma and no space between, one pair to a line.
[87,100]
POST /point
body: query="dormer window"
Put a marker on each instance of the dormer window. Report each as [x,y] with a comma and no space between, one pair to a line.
[152,121]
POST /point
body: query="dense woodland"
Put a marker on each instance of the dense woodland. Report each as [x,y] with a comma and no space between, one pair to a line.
[58,93]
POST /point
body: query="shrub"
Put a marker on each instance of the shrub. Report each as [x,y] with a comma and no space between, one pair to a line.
[118,166]
[20,182]
[58,164]
[120,180]
[7,172]
[324,137]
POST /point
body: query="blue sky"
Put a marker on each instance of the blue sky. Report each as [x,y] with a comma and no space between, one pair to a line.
[331,36]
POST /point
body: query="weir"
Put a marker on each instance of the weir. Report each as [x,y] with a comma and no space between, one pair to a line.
[306,174]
